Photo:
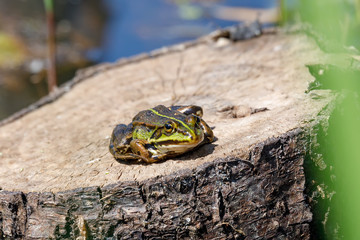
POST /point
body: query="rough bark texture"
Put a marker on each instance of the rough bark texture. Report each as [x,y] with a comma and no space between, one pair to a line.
[249,184]
[231,198]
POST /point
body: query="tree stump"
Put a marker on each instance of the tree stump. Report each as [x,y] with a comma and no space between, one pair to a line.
[59,180]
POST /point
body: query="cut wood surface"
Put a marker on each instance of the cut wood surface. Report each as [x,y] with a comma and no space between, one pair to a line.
[252,93]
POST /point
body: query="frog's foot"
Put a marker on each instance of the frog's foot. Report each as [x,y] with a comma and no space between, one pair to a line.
[126,156]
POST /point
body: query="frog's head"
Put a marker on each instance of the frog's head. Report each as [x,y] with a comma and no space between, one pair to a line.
[179,136]
[177,133]
[169,132]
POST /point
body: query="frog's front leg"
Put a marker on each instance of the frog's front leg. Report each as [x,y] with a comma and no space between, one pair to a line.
[139,150]
[208,133]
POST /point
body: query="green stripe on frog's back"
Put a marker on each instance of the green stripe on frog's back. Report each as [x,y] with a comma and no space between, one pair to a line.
[172,118]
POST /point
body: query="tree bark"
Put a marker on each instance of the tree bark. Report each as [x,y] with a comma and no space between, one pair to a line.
[59,181]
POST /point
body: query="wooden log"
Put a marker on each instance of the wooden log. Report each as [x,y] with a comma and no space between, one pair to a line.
[58,179]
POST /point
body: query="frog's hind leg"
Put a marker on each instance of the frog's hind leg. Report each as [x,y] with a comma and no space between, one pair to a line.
[138,147]
[123,153]
[130,157]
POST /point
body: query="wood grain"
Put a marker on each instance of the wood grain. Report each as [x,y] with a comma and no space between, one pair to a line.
[59,181]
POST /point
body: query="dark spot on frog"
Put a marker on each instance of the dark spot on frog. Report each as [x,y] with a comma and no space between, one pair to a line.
[149,146]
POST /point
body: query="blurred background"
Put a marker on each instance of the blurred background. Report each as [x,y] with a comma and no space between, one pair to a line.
[94,31]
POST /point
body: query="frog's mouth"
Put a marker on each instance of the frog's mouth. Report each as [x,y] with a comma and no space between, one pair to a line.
[178,147]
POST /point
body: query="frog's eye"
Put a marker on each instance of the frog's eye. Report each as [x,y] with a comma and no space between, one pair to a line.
[169,126]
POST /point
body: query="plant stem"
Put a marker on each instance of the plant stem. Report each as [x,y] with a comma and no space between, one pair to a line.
[51,73]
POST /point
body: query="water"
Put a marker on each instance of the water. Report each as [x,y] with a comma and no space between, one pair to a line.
[130,27]
[140,26]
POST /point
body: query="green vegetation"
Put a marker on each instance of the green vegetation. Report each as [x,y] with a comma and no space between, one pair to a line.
[12,51]
[336,26]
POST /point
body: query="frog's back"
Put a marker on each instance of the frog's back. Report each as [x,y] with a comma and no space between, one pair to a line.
[158,116]
[122,134]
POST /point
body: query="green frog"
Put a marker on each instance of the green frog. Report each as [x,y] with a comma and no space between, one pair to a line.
[159,133]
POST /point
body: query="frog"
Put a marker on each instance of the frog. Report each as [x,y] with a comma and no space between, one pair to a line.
[160,133]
